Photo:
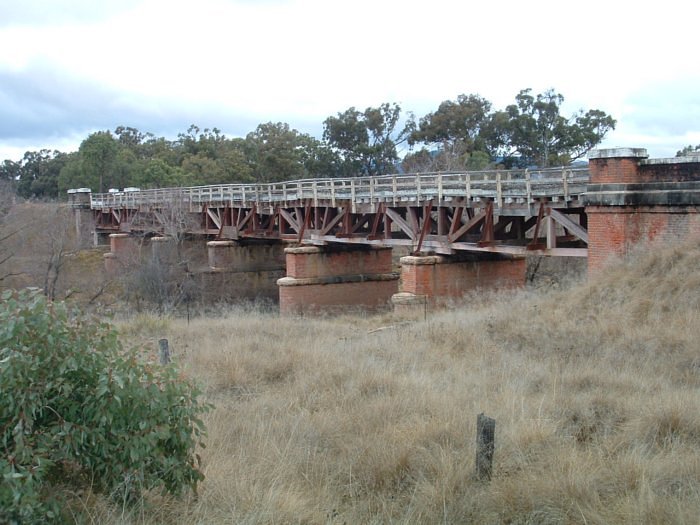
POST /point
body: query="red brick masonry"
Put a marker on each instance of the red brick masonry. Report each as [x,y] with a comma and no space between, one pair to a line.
[335,297]
[632,200]
[613,231]
[311,261]
[439,277]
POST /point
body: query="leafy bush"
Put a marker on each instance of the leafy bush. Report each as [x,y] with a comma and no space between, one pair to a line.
[78,409]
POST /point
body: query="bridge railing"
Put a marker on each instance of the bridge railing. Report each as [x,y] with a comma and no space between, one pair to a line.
[502,186]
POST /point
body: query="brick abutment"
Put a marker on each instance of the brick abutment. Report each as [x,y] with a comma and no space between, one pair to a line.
[632,200]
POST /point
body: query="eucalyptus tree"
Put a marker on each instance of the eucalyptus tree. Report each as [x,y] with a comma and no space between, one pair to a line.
[366,140]
[533,130]
[454,132]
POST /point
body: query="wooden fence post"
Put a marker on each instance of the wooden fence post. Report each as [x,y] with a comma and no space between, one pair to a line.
[163,351]
[485,438]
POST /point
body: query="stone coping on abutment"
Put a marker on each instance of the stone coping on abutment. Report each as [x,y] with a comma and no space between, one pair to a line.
[618,153]
[337,279]
[642,155]
[655,194]
[673,160]
[119,235]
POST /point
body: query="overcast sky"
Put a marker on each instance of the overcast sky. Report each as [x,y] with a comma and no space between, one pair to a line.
[71,67]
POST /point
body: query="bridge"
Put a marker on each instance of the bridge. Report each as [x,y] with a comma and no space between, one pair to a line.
[490,211]
[454,225]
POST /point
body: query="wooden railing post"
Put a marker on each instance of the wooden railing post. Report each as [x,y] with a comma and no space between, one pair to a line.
[528,190]
[352,194]
[499,191]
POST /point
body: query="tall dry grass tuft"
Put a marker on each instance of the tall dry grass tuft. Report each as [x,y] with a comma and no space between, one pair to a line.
[594,390]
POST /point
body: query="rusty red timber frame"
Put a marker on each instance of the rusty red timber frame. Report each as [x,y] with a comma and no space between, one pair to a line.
[510,212]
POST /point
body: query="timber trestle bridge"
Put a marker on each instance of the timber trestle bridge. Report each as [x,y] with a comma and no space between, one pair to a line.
[506,211]
[322,244]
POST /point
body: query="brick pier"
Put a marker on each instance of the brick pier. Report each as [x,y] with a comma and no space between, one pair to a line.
[325,279]
[434,280]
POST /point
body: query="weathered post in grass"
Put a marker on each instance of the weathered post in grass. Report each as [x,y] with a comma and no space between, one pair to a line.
[163,351]
[485,438]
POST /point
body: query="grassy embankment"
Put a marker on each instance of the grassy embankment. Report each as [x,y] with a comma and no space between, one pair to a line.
[594,390]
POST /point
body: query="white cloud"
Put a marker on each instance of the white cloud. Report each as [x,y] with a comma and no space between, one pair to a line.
[300,61]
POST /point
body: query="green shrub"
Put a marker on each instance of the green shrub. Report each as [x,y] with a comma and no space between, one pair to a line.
[78,409]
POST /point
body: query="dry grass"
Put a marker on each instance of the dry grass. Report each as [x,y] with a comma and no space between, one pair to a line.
[594,390]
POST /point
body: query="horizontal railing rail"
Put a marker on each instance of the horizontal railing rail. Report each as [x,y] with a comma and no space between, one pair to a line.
[503,187]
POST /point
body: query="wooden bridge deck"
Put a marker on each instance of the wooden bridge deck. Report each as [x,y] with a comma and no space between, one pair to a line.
[509,211]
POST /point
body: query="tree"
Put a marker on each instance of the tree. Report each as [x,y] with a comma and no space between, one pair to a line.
[455,129]
[71,175]
[10,171]
[206,142]
[59,243]
[233,162]
[130,137]
[80,412]
[532,131]
[99,164]
[37,174]
[161,149]
[208,157]
[366,141]
[200,169]
[276,152]
[688,150]
[98,152]
[156,173]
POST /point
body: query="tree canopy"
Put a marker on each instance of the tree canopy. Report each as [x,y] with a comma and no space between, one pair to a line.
[533,131]
[456,126]
[688,150]
[465,133]
[366,140]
